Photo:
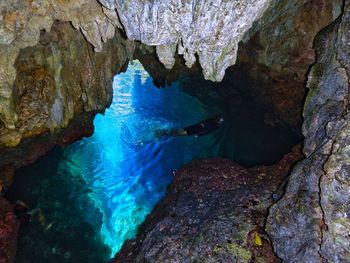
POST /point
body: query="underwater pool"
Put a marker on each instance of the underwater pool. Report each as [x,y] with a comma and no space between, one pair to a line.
[96,192]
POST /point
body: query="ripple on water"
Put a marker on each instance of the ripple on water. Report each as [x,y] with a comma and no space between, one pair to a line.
[100,189]
[114,178]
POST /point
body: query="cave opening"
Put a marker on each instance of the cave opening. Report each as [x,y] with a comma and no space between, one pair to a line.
[102,187]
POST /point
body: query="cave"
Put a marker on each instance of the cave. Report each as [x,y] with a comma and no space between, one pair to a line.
[174,132]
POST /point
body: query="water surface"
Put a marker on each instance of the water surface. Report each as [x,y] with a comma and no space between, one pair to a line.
[98,190]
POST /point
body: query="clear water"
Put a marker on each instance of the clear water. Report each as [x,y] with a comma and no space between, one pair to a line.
[97,191]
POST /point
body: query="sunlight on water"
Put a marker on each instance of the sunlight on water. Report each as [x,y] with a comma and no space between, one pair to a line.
[97,191]
[125,164]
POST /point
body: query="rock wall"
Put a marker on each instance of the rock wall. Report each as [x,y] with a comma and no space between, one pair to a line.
[39,93]
[60,84]
[185,27]
[214,211]
[52,84]
[311,222]
[210,29]
[275,61]
[272,61]
[20,26]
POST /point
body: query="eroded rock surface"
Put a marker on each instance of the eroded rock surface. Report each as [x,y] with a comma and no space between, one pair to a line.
[311,223]
[9,226]
[275,61]
[20,26]
[214,211]
[59,83]
[211,29]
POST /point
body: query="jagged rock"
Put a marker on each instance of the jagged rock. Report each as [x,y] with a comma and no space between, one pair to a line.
[183,26]
[52,84]
[275,60]
[20,26]
[9,226]
[211,29]
[212,212]
[273,63]
[57,81]
[311,222]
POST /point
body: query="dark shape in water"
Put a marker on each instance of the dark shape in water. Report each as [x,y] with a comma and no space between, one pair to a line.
[98,190]
[202,128]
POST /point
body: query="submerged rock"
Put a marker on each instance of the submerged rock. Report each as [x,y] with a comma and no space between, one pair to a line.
[213,211]
[9,226]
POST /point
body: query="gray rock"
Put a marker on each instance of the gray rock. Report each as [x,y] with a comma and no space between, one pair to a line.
[210,29]
[311,222]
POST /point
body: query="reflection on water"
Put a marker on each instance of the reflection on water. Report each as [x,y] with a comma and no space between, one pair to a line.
[125,164]
[98,190]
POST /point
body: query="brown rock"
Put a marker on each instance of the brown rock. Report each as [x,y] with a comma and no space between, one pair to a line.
[212,212]
[9,226]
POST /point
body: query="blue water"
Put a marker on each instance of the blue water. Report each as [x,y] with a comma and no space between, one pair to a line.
[126,163]
[97,191]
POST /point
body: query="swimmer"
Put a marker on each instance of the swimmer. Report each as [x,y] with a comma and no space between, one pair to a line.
[199,129]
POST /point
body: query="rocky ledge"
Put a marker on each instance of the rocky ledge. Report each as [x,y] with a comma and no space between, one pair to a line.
[214,211]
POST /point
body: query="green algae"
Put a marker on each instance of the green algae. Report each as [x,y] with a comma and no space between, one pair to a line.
[242,255]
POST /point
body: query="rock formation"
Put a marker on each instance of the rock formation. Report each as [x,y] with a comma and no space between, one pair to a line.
[52,83]
[214,211]
[57,82]
[311,223]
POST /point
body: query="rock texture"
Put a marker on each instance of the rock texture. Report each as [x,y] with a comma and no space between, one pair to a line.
[59,83]
[33,89]
[311,222]
[52,84]
[273,59]
[9,226]
[183,26]
[20,26]
[274,62]
[214,211]
[210,29]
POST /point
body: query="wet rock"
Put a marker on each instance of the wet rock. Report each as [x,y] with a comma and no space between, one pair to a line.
[9,226]
[272,61]
[311,221]
[213,211]
[20,26]
[57,82]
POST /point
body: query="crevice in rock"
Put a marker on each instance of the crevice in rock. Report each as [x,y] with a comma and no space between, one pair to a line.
[43,104]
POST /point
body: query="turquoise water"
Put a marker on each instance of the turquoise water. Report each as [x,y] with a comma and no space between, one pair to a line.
[96,192]
[125,163]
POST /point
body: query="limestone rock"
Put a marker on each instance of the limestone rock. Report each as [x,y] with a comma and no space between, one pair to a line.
[56,81]
[278,51]
[213,212]
[315,208]
[211,29]
[20,26]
